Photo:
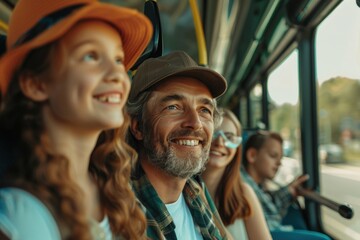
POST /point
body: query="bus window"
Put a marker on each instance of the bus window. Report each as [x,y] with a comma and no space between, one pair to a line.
[243,111]
[255,107]
[338,77]
[283,91]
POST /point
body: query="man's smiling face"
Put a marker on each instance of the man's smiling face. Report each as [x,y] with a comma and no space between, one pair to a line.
[178,126]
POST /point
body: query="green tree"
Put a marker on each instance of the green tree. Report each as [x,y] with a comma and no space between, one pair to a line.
[339,101]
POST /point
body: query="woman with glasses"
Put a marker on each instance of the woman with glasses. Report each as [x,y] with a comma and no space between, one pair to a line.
[236,201]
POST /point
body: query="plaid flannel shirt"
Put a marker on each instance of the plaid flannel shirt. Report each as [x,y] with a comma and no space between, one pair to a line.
[160,223]
[274,203]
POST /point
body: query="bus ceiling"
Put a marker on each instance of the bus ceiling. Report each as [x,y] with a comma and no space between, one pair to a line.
[263,31]
[244,38]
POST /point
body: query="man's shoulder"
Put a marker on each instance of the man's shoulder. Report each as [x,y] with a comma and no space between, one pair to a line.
[196,180]
[195,186]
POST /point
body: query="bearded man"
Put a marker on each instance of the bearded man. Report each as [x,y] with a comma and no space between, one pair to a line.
[173,111]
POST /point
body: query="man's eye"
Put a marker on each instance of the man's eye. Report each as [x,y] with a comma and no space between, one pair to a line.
[172,107]
[206,110]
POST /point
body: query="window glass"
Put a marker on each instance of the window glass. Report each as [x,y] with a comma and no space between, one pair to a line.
[283,90]
[338,74]
[255,105]
[243,112]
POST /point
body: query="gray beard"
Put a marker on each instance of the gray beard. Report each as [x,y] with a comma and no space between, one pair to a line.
[167,160]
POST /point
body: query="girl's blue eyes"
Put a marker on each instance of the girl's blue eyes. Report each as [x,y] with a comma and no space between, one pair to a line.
[94,57]
[89,57]
[119,61]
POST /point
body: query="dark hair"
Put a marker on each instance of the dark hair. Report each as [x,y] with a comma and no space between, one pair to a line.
[229,194]
[257,141]
[47,175]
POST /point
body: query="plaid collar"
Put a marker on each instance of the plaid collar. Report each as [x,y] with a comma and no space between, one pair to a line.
[160,223]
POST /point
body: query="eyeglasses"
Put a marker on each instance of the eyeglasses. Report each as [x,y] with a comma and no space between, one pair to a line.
[230,139]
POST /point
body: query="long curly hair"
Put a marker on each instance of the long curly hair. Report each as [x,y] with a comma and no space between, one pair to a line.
[38,170]
[229,194]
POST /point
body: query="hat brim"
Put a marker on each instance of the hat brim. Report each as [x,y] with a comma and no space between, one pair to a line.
[134,28]
[213,80]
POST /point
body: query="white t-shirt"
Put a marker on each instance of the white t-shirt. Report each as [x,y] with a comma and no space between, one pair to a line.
[184,223]
[23,216]
[102,230]
[238,230]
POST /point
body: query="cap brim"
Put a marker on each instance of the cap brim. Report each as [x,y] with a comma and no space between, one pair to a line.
[213,80]
[134,28]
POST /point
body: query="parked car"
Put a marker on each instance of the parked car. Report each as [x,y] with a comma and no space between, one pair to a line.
[331,153]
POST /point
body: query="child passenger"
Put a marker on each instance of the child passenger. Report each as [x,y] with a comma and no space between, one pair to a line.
[64,85]
[263,152]
[237,203]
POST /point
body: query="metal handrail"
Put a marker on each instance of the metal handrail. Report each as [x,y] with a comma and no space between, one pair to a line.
[345,210]
[199,33]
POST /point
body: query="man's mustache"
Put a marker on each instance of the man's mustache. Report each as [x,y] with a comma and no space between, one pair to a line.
[183,133]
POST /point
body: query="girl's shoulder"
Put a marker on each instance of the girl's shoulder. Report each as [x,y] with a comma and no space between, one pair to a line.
[23,216]
[248,190]
[250,195]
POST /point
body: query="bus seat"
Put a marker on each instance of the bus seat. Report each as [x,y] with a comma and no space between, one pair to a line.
[155,47]
[6,155]
[295,217]
[2,44]
[3,152]
[298,235]
[246,133]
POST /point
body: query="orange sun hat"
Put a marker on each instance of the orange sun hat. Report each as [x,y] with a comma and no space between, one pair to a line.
[35,23]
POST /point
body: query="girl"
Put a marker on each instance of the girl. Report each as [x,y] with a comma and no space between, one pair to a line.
[236,201]
[64,84]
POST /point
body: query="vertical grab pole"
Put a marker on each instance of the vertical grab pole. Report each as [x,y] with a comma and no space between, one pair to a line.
[3,26]
[199,34]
